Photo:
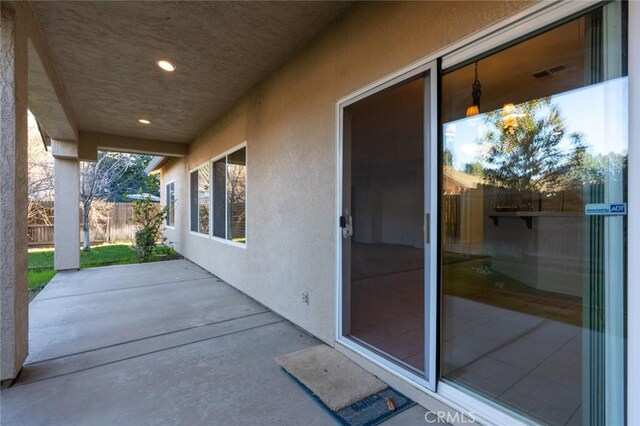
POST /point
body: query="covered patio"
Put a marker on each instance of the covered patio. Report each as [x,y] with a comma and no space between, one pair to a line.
[91,75]
[161,343]
[268,134]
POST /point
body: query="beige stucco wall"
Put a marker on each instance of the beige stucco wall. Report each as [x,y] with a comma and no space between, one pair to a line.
[289,124]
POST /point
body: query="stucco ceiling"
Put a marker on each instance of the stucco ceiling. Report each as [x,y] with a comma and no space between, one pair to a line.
[105,54]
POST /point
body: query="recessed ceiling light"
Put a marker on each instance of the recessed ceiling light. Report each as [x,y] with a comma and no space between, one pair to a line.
[166,65]
[143,121]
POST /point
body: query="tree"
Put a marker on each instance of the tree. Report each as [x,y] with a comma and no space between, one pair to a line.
[40,176]
[133,180]
[523,149]
[96,181]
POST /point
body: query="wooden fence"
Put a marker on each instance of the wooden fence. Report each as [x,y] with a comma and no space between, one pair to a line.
[451,213]
[40,235]
[117,227]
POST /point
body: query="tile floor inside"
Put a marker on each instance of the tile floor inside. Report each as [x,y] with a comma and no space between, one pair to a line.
[509,342]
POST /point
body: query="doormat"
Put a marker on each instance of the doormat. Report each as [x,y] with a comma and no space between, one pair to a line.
[353,396]
[369,411]
[375,409]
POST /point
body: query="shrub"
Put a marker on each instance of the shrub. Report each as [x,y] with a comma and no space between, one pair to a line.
[148,217]
[165,251]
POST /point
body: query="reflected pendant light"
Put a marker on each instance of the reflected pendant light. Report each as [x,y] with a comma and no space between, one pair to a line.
[510,117]
[476,91]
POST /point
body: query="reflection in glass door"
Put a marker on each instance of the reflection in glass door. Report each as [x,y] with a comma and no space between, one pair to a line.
[533,283]
[385,254]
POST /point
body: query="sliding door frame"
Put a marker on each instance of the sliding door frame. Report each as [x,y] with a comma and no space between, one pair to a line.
[432,221]
[633,224]
[430,73]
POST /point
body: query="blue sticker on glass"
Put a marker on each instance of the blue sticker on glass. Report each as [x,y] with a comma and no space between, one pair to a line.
[605,209]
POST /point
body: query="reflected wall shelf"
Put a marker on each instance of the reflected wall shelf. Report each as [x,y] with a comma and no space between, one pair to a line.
[527,217]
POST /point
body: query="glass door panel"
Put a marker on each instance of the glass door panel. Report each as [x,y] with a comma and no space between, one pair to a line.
[532,281]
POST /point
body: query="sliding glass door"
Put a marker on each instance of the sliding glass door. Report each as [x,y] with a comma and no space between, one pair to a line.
[522,208]
[533,223]
[386,221]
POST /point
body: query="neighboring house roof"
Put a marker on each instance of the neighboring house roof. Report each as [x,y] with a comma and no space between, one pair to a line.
[462,179]
[144,196]
[46,140]
[155,165]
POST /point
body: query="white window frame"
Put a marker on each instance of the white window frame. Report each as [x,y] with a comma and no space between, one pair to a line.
[166,187]
[246,199]
[509,30]
[199,234]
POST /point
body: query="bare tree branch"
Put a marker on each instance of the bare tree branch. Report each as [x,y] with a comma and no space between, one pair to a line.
[40,177]
[96,182]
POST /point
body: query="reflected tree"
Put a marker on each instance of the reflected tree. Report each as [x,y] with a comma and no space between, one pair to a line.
[447,157]
[475,169]
[599,168]
[203,198]
[236,192]
[524,148]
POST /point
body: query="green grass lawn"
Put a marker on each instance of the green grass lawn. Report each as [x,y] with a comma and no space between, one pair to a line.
[41,261]
[38,279]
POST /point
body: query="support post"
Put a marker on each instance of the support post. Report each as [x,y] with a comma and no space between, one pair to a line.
[14,297]
[66,212]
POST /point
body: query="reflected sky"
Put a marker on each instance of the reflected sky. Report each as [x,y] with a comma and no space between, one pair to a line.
[599,112]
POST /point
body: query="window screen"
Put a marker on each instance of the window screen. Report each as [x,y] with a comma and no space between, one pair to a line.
[199,200]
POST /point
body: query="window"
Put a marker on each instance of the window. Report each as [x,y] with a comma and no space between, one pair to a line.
[171,203]
[200,200]
[229,196]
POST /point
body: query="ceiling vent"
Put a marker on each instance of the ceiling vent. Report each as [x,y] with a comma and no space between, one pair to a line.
[550,71]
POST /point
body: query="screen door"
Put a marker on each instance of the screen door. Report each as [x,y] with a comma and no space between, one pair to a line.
[388,224]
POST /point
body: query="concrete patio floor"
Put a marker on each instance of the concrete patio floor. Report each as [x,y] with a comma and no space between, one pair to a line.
[160,343]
